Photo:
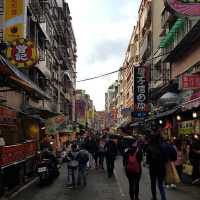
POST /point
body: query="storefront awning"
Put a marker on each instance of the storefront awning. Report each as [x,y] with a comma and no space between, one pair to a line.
[45,114]
[170,36]
[168,112]
[194,103]
[15,75]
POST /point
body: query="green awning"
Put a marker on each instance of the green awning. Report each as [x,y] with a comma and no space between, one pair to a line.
[170,36]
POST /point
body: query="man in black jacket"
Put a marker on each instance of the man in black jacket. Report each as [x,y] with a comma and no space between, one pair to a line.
[110,154]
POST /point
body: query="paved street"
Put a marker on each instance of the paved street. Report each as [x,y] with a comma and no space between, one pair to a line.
[181,193]
[101,188]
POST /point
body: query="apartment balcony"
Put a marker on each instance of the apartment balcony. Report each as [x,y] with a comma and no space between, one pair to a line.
[145,48]
[180,38]
[38,8]
[167,17]
[146,18]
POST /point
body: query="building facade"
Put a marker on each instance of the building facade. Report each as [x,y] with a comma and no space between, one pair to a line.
[37,89]
[85,110]
[111,100]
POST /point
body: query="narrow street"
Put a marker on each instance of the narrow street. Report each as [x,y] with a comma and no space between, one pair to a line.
[100,187]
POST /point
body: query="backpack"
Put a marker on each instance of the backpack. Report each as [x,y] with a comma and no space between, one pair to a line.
[133,165]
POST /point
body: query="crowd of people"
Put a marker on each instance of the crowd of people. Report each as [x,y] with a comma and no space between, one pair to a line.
[86,153]
[163,157]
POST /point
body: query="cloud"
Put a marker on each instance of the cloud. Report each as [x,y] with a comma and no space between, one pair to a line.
[107,49]
[102,29]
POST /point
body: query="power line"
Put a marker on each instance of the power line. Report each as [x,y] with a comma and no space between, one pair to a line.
[121,69]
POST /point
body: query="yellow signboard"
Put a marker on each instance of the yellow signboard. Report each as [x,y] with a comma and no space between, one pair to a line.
[14,19]
[22,53]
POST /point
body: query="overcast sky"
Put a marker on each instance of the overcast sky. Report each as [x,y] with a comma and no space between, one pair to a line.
[102,29]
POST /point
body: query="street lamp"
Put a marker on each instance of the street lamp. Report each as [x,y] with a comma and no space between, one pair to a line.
[178,117]
[194,115]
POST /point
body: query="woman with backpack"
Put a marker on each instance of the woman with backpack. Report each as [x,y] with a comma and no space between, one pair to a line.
[132,163]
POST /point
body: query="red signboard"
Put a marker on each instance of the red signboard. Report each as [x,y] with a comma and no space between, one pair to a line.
[30,149]
[190,82]
[184,7]
[16,153]
[11,154]
[7,116]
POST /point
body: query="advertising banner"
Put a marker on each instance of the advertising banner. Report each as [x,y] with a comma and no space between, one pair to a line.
[14,19]
[22,53]
[190,82]
[53,124]
[140,91]
[188,8]
[7,116]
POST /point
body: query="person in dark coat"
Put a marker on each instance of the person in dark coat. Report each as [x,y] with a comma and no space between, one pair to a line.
[133,176]
[92,148]
[110,154]
[157,159]
[194,157]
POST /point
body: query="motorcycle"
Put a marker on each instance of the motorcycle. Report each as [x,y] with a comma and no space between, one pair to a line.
[48,170]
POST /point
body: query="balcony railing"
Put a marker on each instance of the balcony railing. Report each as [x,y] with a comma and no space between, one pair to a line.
[166,17]
[180,35]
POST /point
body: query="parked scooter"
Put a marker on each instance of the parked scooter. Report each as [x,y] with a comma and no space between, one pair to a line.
[48,168]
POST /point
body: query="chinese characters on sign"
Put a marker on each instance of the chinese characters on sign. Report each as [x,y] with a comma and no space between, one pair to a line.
[184,7]
[22,53]
[190,82]
[7,116]
[140,91]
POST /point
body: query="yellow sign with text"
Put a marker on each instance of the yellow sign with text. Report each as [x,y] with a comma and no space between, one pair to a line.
[14,19]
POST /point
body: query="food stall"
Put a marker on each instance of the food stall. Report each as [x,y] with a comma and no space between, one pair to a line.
[17,152]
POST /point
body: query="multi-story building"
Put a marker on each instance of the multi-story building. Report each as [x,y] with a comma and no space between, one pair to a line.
[32,92]
[145,30]
[180,48]
[111,105]
[85,110]
[120,104]
[100,120]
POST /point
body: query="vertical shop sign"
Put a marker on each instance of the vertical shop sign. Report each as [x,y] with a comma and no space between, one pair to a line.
[140,91]
[14,19]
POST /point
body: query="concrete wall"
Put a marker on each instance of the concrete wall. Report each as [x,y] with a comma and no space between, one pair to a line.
[157,8]
[186,61]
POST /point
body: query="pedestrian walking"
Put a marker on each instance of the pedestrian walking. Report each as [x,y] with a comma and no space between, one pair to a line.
[101,152]
[72,165]
[156,158]
[194,157]
[91,147]
[132,162]
[179,160]
[110,153]
[82,158]
[172,176]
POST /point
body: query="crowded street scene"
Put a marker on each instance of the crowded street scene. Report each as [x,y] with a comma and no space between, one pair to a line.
[99,99]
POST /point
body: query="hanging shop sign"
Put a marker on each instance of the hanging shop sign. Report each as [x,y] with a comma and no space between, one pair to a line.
[188,8]
[14,19]
[186,127]
[140,91]
[7,116]
[53,124]
[190,82]
[22,53]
